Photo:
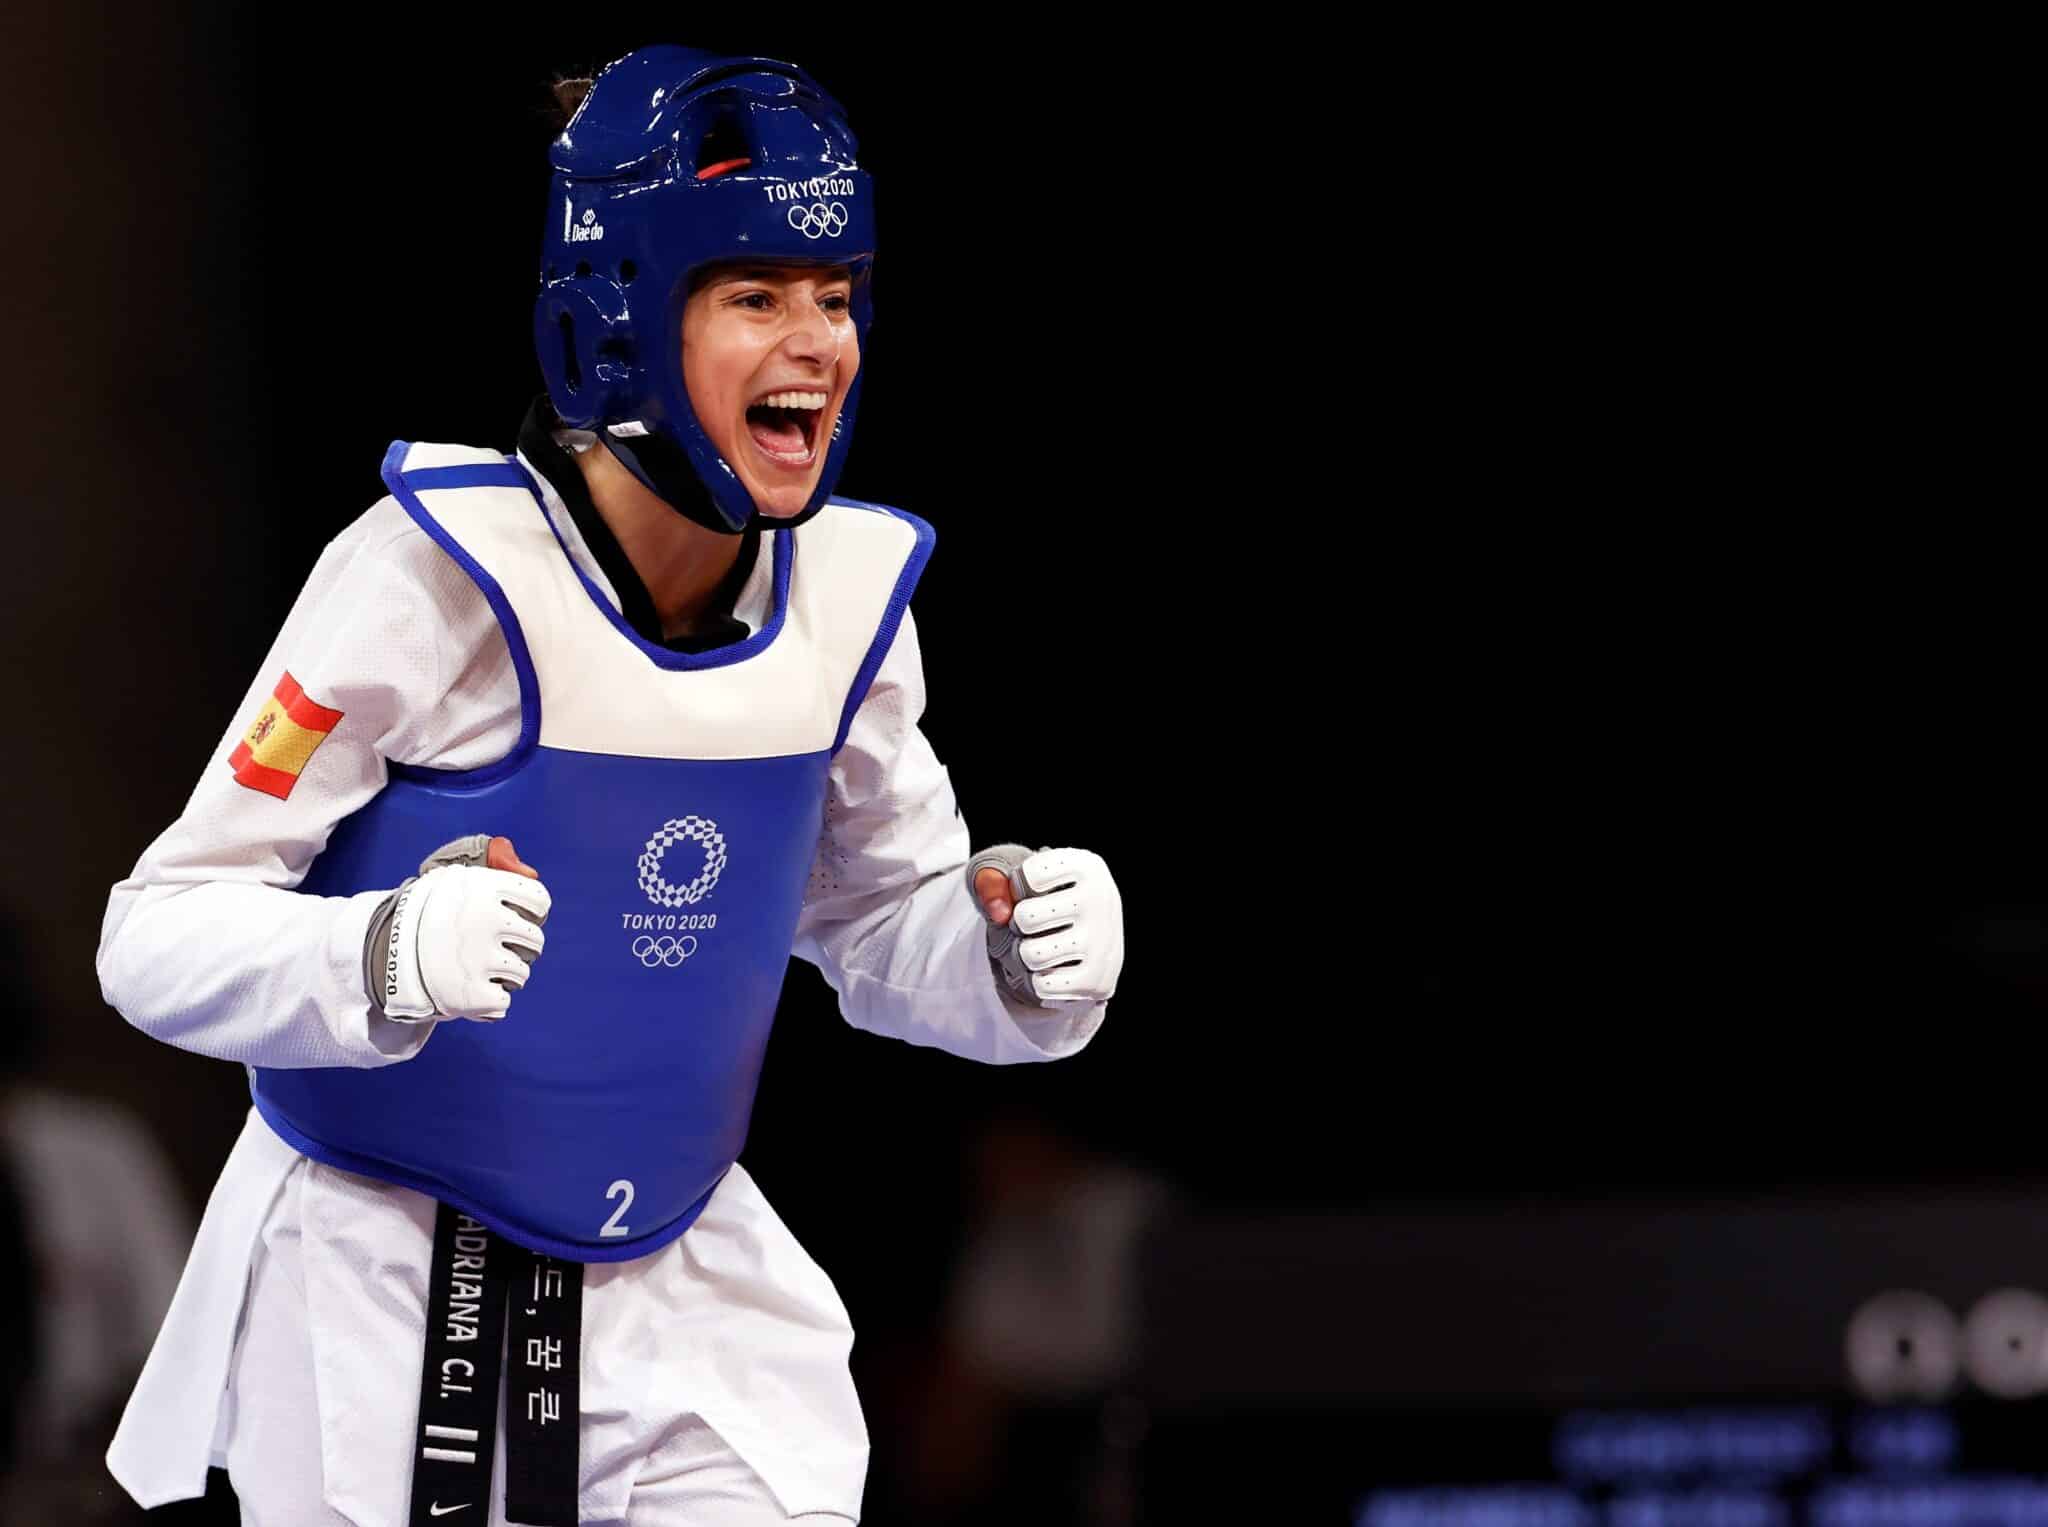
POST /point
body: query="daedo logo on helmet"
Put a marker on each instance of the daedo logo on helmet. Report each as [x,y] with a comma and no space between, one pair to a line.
[588,231]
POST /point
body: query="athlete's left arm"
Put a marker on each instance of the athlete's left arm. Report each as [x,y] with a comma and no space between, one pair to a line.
[887,917]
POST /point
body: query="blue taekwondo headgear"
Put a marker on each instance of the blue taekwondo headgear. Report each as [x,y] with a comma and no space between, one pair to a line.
[678,158]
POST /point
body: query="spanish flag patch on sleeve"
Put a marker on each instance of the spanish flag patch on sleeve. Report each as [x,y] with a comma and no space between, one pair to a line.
[275,749]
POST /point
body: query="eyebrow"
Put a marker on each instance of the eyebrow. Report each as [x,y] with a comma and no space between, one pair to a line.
[782,272]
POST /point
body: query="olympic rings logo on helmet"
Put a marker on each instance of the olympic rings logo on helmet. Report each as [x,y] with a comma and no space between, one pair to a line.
[671,952]
[818,221]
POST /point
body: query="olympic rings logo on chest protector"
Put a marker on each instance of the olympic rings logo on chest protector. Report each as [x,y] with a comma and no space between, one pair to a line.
[664,950]
[818,221]
[664,893]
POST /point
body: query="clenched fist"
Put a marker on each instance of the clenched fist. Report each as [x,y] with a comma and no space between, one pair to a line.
[462,937]
[1055,922]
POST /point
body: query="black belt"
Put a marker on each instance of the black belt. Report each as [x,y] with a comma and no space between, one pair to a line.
[476,1276]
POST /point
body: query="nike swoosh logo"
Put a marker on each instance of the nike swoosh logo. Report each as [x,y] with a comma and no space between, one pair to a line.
[439,1510]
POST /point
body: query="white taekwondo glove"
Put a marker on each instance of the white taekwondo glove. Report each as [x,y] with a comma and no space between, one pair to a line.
[457,941]
[1064,941]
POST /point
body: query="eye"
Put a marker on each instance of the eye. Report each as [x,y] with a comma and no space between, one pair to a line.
[836,302]
[760,302]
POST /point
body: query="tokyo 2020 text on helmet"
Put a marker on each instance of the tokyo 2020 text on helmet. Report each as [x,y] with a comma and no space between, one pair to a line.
[675,160]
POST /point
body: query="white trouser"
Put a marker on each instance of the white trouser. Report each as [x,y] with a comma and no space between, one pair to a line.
[673,1469]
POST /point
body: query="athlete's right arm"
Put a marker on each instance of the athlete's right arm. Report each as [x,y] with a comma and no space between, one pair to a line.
[207,945]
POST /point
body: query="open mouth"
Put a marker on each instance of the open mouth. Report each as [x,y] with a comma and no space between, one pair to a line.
[784,426]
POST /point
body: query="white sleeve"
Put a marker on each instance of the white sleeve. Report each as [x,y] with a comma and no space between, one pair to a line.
[888,918]
[206,945]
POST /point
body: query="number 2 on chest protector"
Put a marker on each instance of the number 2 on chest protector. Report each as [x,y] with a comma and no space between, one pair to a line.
[612,1227]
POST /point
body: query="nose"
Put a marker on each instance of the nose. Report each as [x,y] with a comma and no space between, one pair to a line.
[812,335]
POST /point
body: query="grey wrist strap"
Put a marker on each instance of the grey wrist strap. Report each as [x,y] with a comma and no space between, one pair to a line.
[474,850]
[374,952]
[1003,954]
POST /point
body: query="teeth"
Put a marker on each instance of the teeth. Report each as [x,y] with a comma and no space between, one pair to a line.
[792,400]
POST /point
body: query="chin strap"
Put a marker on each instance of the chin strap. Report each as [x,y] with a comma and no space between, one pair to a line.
[666,469]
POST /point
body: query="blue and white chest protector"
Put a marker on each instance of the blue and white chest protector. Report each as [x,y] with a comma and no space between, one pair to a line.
[672,803]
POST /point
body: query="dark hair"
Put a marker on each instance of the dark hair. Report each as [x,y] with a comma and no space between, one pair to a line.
[568,95]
